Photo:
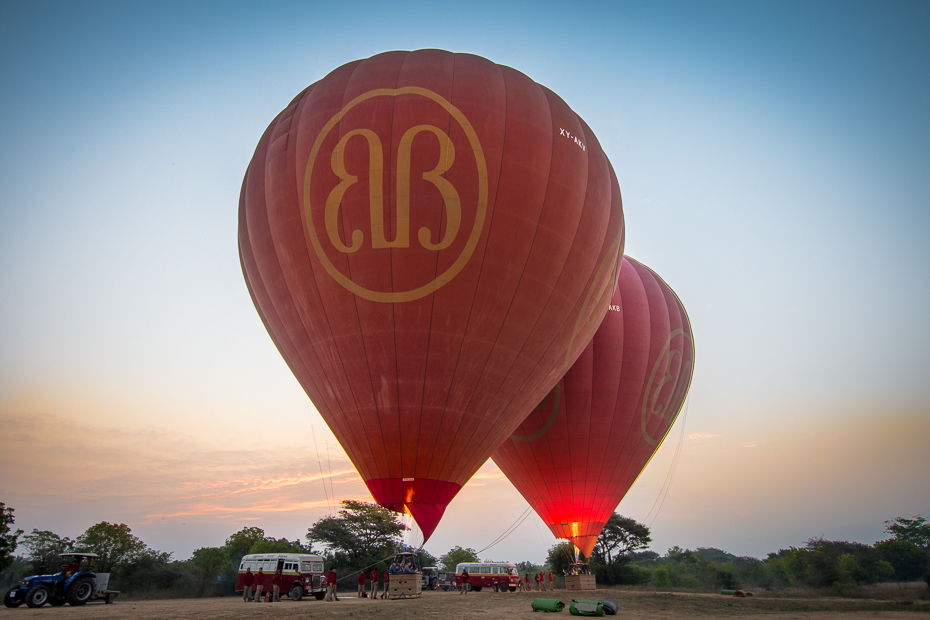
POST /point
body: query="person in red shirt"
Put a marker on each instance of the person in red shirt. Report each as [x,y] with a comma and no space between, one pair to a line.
[550,580]
[276,587]
[259,584]
[247,580]
[526,584]
[331,586]
[361,585]
[464,581]
[536,577]
[374,583]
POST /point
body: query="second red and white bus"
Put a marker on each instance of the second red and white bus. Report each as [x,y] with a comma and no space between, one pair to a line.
[489,574]
[301,574]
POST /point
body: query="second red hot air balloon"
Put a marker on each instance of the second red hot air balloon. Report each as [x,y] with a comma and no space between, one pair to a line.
[431,239]
[577,454]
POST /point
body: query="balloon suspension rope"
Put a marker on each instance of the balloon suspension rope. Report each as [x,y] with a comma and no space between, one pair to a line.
[329,503]
[663,492]
[510,530]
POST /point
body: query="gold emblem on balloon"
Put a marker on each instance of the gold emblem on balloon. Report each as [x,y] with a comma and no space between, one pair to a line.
[671,375]
[376,168]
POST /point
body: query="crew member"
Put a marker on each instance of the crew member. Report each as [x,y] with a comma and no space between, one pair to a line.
[247,580]
[276,587]
[259,584]
[331,586]
[361,585]
[374,583]
[464,581]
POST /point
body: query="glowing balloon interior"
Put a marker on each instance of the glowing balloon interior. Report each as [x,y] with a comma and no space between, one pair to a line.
[580,450]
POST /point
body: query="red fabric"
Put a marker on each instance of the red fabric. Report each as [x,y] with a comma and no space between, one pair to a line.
[577,454]
[259,578]
[361,579]
[276,580]
[374,576]
[423,357]
[248,579]
[331,578]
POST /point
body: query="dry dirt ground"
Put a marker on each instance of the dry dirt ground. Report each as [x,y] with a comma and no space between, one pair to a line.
[451,605]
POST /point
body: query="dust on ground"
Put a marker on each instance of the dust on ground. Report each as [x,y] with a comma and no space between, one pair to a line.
[473,605]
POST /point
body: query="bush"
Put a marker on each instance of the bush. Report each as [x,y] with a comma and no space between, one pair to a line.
[660,577]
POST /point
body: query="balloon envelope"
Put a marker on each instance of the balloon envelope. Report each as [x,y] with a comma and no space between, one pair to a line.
[580,450]
[430,239]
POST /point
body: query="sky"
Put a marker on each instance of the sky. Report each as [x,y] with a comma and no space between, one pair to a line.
[774,161]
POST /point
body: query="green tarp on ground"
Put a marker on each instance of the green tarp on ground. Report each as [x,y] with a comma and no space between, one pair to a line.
[547,604]
[586,608]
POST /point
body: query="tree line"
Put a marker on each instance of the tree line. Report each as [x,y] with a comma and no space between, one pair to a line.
[363,536]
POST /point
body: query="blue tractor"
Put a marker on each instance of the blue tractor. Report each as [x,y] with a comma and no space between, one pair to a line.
[75,584]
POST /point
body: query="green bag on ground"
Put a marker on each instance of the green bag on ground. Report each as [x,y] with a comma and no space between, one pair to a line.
[547,604]
[586,608]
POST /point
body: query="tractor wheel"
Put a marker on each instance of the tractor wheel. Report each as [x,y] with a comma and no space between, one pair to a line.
[434,583]
[56,601]
[297,592]
[80,591]
[38,596]
[13,598]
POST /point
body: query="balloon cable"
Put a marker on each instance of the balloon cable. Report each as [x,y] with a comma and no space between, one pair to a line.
[663,492]
[510,530]
[329,504]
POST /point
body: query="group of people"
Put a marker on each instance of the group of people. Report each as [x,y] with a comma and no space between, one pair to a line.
[258,581]
[540,581]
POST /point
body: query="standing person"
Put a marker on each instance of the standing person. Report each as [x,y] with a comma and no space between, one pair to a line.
[259,584]
[374,583]
[536,577]
[247,580]
[361,585]
[464,581]
[276,587]
[527,584]
[550,580]
[542,580]
[331,585]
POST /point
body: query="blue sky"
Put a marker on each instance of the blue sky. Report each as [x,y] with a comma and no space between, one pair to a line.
[774,160]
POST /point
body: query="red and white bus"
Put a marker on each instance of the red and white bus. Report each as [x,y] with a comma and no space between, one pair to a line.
[300,574]
[488,575]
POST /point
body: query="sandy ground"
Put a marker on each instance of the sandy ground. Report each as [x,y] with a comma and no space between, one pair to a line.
[450,605]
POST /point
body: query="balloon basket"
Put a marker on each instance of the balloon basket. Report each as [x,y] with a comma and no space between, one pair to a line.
[580,582]
[405,586]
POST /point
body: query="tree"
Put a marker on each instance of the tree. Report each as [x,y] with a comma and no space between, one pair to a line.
[209,562]
[278,545]
[620,536]
[915,530]
[457,556]
[114,544]
[44,548]
[362,534]
[426,558]
[240,543]
[560,557]
[907,559]
[9,538]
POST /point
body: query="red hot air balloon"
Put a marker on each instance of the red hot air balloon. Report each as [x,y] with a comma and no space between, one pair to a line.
[430,239]
[580,450]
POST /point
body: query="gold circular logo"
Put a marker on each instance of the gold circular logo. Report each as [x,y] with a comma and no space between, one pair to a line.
[376,167]
[674,384]
[556,401]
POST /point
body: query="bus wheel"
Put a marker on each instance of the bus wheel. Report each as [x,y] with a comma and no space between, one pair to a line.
[297,592]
